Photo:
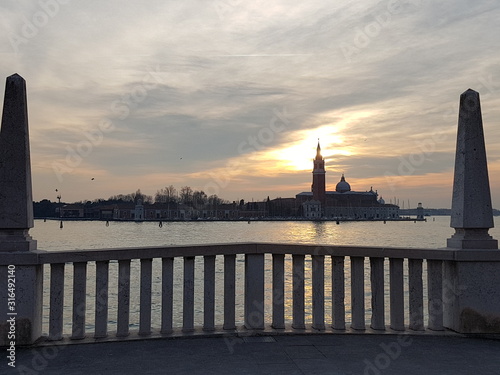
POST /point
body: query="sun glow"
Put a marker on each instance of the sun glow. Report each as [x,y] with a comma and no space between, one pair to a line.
[297,156]
[334,139]
[297,150]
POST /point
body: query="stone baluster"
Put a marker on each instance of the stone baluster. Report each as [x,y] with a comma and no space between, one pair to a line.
[318,292]
[167,294]
[79,300]
[101,298]
[278,291]
[397,304]
[209,293]
[123,318]
[188,295]
[298,291]
[338,293]
[416,294]
[56,301]
[254,291]
[229,291]
[358,293]
[377,287]
[145,297]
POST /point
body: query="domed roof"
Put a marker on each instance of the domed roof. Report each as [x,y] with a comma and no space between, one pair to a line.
[343,186]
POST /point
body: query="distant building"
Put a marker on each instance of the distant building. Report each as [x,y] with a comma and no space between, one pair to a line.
[72,211]
[311,209]
[138,214]
[420,211]
[343,203]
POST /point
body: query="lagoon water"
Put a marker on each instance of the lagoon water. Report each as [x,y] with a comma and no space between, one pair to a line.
[95,234]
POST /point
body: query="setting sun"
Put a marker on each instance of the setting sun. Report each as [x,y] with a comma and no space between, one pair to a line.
[297,156]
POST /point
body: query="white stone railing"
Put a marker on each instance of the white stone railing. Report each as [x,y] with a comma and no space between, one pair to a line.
[254,285]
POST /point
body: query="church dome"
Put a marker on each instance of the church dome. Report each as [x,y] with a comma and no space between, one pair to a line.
[343,186]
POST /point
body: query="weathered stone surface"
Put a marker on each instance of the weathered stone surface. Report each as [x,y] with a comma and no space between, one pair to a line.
[254,291]
[28,304]
[472,214]
[16,209]
[472,238]
[471,296]
[470,292]
[474,321]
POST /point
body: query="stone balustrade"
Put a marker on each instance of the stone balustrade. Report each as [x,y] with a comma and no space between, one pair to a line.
[361,285]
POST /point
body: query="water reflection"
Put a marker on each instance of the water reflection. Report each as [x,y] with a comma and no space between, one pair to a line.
[95,234]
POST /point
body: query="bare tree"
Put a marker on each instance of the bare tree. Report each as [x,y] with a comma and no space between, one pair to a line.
[166,195]
[186,195]
[199,198]
[214,200]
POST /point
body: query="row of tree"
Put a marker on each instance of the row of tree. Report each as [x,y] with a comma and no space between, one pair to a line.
[169,194]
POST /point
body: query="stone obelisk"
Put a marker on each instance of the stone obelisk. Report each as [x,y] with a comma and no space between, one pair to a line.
[471,298]
[16,204]
[471,210]
[18,254]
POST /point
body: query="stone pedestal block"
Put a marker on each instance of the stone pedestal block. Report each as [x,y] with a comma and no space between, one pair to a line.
[471,296]
[16,240]
[472,239]
[21,321]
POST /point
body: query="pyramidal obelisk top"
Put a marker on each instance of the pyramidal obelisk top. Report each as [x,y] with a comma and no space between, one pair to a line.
[471,210]
[16,202]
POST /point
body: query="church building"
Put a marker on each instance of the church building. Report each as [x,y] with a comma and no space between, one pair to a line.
[343,203]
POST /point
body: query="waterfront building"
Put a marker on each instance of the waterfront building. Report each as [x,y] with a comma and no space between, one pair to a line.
[342,203]
[73,211]
[420,212]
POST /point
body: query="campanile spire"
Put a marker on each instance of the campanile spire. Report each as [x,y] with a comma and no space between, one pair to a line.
[319,177]
[318,152]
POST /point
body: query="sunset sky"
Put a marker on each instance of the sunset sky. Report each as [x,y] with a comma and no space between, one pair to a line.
[231,96]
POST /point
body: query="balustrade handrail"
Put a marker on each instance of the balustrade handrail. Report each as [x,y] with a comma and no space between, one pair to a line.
[89,255]
[254,285]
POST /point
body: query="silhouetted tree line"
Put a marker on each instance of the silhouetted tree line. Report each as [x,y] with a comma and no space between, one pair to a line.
[169,194]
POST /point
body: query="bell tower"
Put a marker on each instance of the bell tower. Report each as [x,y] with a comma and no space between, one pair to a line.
[319,182]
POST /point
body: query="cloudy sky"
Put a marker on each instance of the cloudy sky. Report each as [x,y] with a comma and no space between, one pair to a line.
[230,96]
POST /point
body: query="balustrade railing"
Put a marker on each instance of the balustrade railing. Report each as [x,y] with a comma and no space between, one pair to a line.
[403,285]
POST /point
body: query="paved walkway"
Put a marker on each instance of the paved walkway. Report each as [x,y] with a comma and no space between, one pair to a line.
[305,354]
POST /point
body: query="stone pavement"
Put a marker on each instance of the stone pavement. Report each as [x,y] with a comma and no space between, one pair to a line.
[330,354]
